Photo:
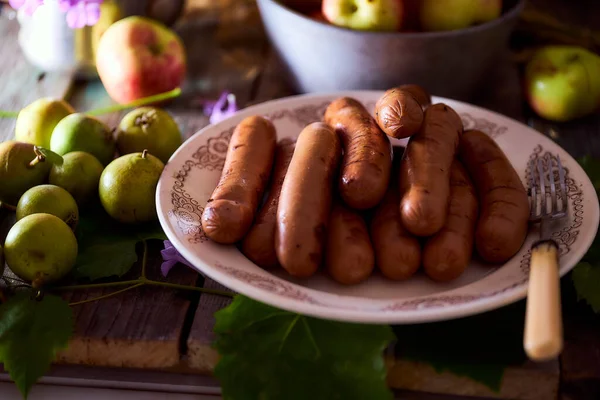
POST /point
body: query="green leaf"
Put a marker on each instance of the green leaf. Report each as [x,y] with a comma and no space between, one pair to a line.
[586,278]
[31,333]
[108,248]
[592,168]
[586,275]
[51,156]
[267,353]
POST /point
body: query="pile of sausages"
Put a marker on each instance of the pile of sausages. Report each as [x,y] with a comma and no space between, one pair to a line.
[343,198]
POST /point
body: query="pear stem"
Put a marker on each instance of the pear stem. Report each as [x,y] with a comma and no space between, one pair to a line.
[8,207]
[8,114]
[39,157]
[136,103]
[144,153]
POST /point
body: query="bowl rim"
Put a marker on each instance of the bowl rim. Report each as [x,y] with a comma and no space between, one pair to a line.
[510,14]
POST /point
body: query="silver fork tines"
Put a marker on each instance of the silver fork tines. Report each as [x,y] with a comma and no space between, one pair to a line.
[542,183]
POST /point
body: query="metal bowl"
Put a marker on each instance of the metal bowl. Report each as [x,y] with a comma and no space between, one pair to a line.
[320,57]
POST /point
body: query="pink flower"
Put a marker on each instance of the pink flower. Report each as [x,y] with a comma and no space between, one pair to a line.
[29,6]
[81,13]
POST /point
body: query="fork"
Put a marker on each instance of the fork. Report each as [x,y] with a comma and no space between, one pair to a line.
[543,338]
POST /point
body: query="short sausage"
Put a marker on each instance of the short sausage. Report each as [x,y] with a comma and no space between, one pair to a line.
[229,212]
[397,252]
[349,255]
[504,206]
[259,243]
[447,254]
[398,114]
[419,93]
[365,169]
[305,200]
[425,171]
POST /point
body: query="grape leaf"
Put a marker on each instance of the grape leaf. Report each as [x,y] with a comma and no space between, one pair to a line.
[586,279]
[269,353]
[108,248]
[31,332]
[586,275]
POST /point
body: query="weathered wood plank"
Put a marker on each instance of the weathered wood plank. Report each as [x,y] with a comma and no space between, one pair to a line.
[201,357]
[140,328]
[20,82]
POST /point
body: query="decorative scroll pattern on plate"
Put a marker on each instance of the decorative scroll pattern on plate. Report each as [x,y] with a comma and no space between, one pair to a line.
[211,156]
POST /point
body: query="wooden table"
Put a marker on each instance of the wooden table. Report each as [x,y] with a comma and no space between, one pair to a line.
[167,333]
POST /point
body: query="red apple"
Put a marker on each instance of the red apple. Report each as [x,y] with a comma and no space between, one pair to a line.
[367,15]
[139,57]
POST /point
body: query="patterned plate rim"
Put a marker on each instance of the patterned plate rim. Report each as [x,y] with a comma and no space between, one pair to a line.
[418,309]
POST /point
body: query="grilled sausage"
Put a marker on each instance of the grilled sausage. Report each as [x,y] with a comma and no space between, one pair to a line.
[259,243]
[447,254]
[425,171]
[420,94]
[397,252]
[349,256]
[504,205]
[305,200]
[229,212]
[398,114]
[365,169]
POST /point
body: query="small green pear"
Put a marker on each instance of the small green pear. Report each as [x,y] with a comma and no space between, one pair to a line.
[79,175]
[562,83]
[49,199]
[149,128]
[36,121]
[80,132]
[40,248]
[21,168]
[128,186]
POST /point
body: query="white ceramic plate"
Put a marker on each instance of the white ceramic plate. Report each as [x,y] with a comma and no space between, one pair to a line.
[193,171]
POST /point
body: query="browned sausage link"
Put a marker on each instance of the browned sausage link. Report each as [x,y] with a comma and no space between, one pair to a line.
[305,200]
[504,206]
[259,243]
[398,114]
[447,254]
[421,95]
[425,171]
[230,211]
[350,259]
[365,169]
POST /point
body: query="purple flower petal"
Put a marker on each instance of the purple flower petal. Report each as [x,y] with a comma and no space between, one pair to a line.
[224,108]
[171,257]
[16,4]
[76,16]
[92,13]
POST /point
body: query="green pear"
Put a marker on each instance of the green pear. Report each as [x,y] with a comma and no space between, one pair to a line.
[36,122]
[128,187]
[79,175]
[49,199]
[40,248]
[448,15]
[21,168]
[562,83]
[148,128]
[80,132]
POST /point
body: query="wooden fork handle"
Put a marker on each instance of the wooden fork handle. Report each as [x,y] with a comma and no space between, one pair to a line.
[543,338]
